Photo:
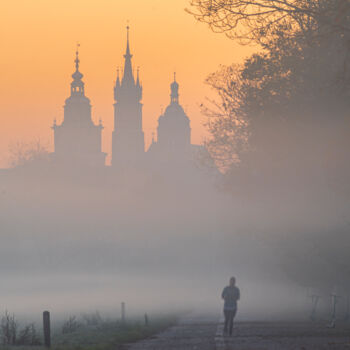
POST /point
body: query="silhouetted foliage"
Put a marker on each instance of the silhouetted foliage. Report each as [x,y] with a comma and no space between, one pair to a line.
[227,124]
[258,20]
[9,327]
[71,325]
[276,96]
[28,336]
[11,335]
[92,319]
[280,126]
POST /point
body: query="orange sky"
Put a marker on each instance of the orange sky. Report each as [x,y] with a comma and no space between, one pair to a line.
[38,40]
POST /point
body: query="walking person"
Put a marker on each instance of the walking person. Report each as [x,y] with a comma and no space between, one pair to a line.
[231,295]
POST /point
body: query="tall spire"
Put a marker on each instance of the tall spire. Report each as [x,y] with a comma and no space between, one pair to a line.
[128,74]
[127,41]
[128,139]
[128,83]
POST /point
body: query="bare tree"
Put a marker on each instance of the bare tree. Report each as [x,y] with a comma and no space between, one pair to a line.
[290,84]
[92,319]
[256,20]
[28,336]
[227,122]
[71,325]
[8,329]
[23,153]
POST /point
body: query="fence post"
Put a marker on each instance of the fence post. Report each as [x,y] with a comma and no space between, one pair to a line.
[123,312]
[347,312]
[47,331]
[334,298]
[146,320]
[314,300]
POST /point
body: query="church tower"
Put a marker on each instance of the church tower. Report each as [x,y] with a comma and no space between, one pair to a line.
[174,131]
[173,148]
[128,137]
[77,139]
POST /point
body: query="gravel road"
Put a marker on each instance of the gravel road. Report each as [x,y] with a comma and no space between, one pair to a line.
[205,333]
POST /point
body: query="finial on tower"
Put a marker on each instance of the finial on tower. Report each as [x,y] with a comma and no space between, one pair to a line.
[77,86]
[77,57]
[174,90]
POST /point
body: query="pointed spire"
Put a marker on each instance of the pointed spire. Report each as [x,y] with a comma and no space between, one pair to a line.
[127,41]
[128,84]
[128,74]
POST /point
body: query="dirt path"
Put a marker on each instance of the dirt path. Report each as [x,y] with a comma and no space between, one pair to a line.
[195,333]
[284,336]
[204,333]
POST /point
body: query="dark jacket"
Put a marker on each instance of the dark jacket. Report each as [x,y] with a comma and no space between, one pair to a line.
[231,295]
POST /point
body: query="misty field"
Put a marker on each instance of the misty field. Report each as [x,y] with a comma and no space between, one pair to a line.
[241,208]
[90,332]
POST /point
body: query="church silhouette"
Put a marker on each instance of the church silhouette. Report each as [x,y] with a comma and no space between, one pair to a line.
[77,140]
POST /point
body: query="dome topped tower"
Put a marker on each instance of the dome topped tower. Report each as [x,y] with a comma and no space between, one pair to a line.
[78,139]
[174,131]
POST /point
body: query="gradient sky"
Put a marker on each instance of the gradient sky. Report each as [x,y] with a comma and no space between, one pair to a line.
[38,41]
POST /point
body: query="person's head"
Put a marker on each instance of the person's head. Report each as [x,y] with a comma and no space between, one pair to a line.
[232,281]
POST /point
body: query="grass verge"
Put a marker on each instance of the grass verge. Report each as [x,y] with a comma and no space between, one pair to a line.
[106,335]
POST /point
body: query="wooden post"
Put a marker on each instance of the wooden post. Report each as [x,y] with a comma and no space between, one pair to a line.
[47,330]
[347,312]
[314,301]
[123,312]
[335,298]
[146,320]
